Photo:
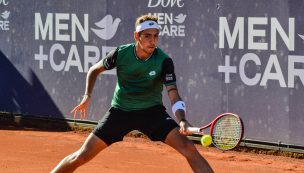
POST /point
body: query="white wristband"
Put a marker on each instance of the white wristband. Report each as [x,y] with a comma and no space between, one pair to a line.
[178,105]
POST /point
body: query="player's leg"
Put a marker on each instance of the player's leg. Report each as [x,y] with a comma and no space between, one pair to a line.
[90,148]
[109,130]
[159,126]
[186,147]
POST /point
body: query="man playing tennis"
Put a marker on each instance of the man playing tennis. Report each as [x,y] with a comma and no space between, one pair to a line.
[142,70]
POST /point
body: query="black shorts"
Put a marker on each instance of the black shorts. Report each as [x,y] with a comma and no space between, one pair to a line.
[153,122]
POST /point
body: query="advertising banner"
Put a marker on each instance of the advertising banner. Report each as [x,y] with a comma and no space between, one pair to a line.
[238,56]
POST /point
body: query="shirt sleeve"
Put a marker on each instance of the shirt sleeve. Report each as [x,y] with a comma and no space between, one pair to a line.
[168,75]
[109,62]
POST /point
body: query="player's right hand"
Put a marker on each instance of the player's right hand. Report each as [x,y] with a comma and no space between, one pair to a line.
[183,127]
[82,107]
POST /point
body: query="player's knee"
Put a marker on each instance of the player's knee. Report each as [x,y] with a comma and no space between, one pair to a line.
[79,158]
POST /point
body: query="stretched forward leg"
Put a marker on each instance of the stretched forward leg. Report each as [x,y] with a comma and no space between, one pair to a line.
[90,148]
[186,147]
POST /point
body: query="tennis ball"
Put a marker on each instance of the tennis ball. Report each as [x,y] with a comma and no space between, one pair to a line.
[206,140]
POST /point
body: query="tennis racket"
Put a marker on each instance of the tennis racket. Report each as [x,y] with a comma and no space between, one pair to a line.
[226,130]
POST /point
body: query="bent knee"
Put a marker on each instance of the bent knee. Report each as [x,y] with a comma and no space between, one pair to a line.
[79,157]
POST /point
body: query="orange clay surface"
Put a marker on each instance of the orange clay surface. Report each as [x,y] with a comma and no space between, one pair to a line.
[30,151]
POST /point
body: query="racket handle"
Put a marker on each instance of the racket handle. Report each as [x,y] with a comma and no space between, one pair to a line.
[193,129]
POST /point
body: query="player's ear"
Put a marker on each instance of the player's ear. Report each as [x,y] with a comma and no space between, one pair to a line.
[136,36]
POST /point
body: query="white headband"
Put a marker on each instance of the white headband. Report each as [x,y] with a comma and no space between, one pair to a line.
[147,25]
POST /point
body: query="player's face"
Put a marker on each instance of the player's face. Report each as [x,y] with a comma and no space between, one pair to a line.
[147,40]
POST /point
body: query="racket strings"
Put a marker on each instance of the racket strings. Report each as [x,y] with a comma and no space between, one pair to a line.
[227,132]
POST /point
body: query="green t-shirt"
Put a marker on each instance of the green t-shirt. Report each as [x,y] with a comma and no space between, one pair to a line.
[139,83]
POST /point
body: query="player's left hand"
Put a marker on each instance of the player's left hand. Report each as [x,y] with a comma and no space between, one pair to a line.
[183,127]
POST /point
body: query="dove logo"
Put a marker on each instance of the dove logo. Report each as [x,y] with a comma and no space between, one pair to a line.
[5,15]
[180,18]
[4,24]
[165,3]
[107,27]
[59,27]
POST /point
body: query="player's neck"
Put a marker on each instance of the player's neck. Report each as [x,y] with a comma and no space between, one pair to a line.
[141,54]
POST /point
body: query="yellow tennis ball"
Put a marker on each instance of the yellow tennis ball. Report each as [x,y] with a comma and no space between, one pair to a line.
[206,140]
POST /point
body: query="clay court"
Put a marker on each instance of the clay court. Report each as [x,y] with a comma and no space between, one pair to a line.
[29,150]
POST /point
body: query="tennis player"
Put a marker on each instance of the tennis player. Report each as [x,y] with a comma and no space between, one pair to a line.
[142,70]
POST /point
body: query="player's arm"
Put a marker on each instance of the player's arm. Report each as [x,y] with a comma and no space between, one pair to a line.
[107,63]
[178,105]
[174,99]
